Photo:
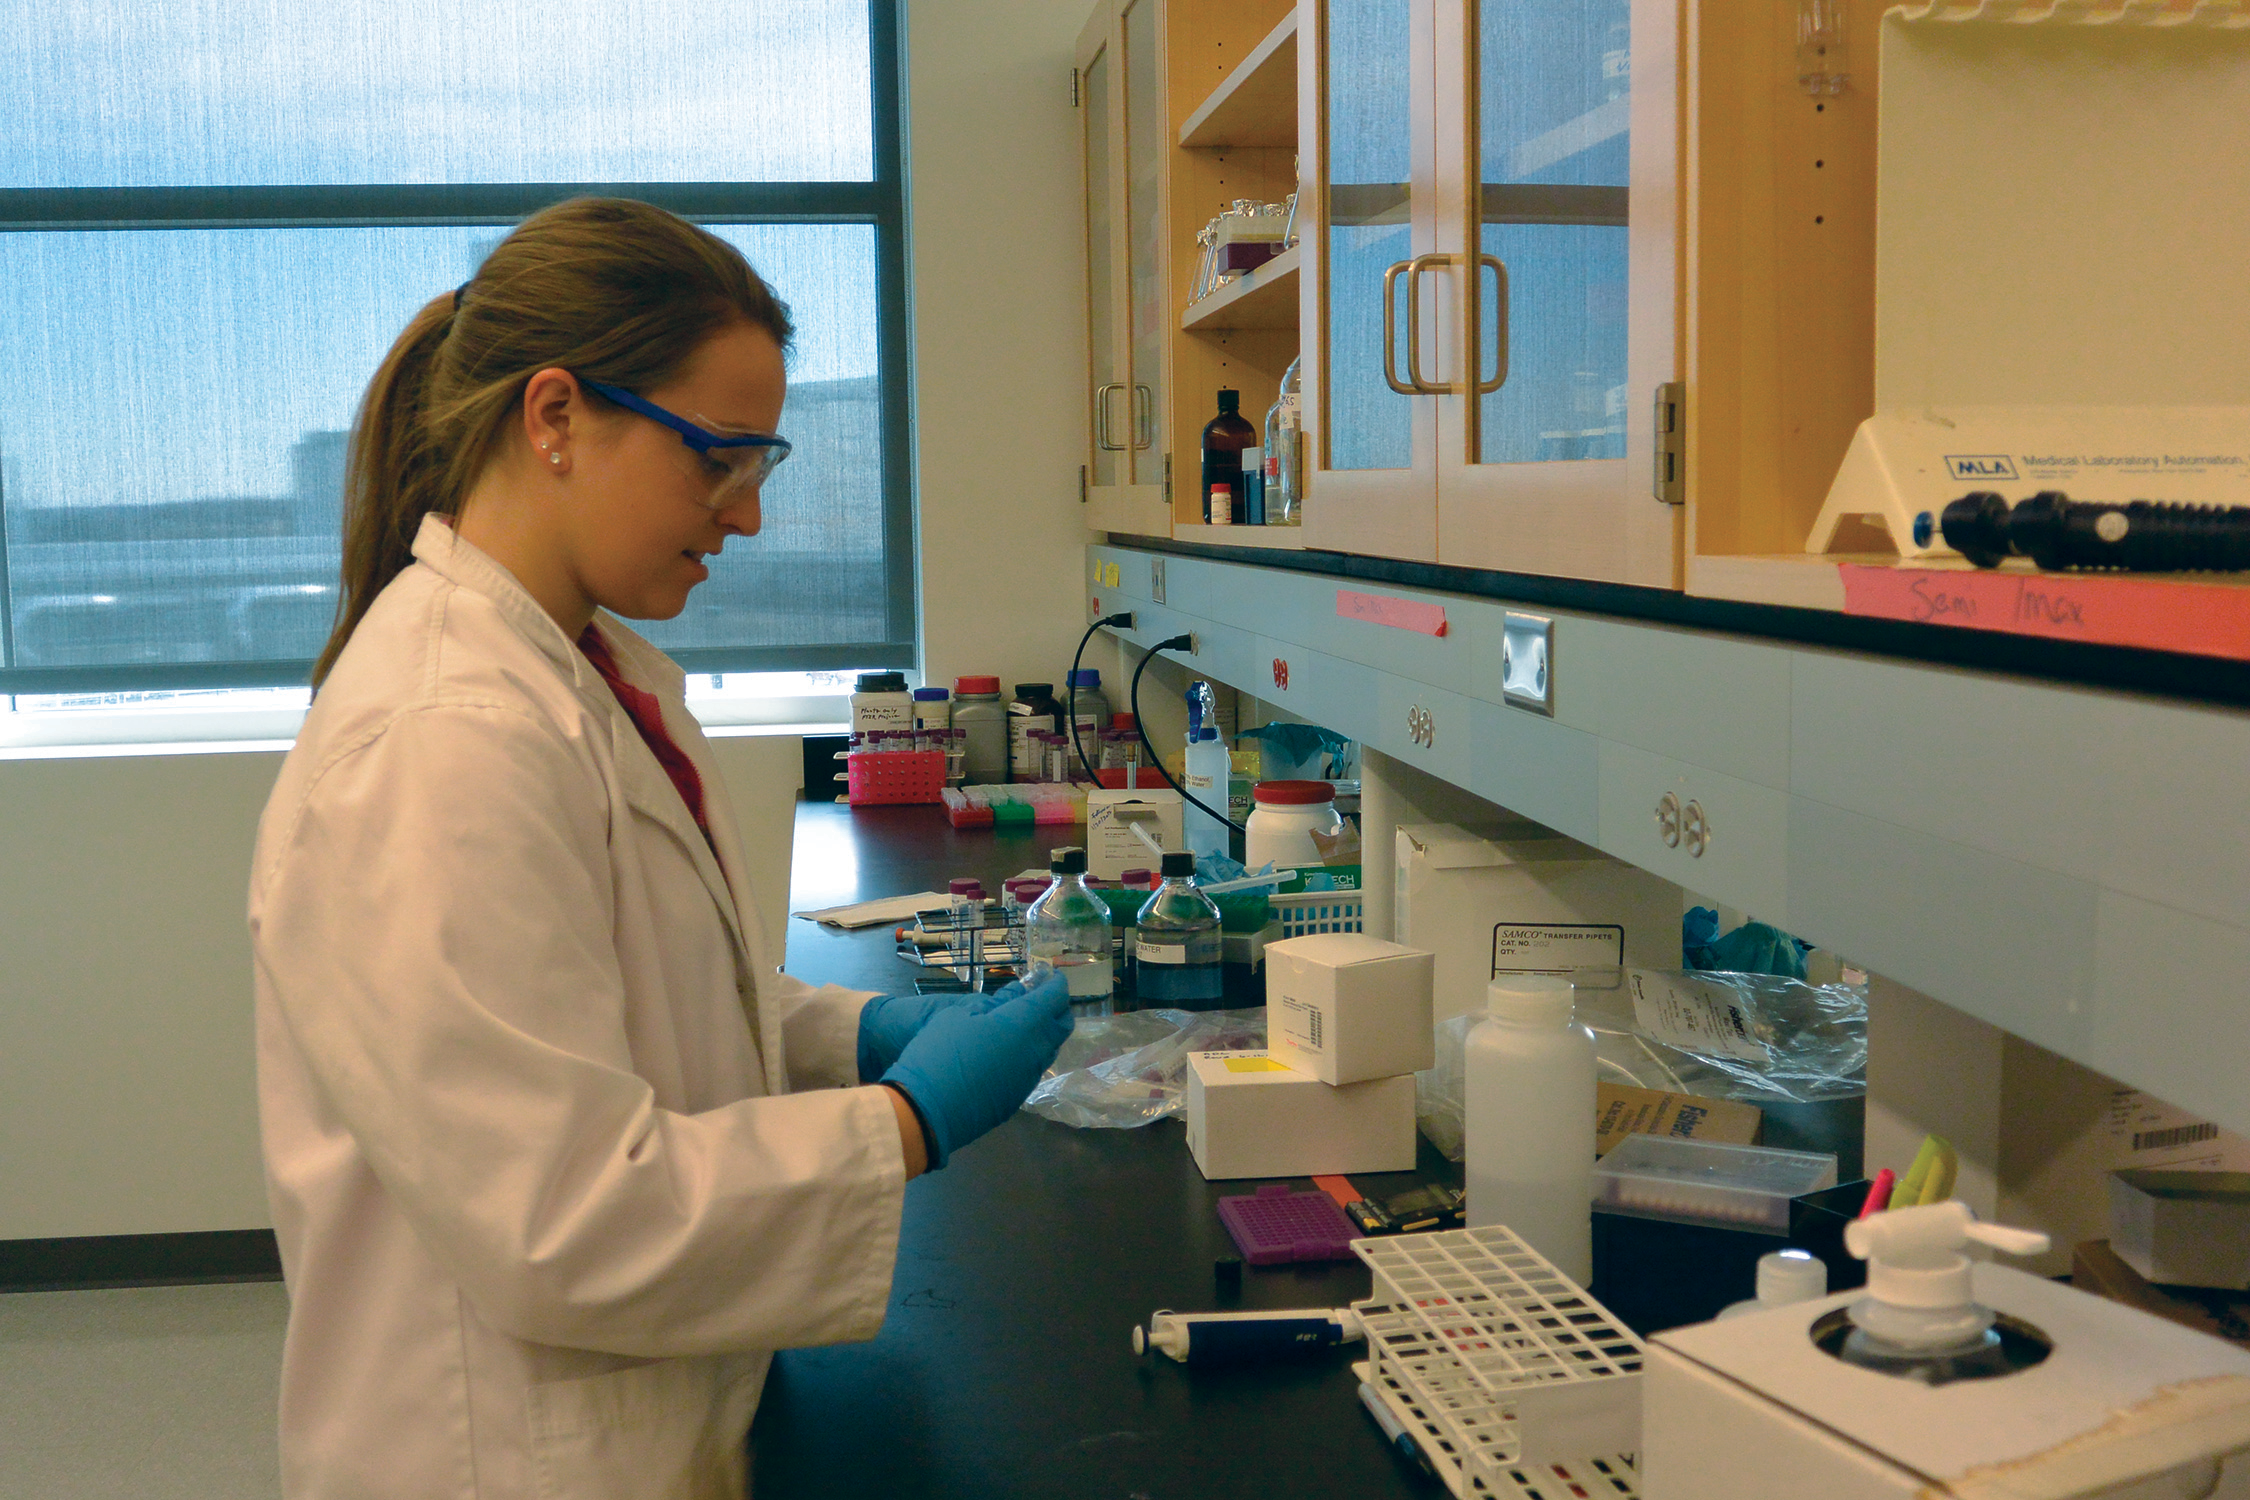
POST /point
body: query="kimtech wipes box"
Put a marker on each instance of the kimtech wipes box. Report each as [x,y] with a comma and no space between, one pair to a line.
[1248,1115]
[1484,906]
[1346,1007]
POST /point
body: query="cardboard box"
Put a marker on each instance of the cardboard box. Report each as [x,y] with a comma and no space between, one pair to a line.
[1620,1111]
[2095,1268]
[1483,906]
[1750,1408]
[1251,1116]
[1112,813]
[1346,1007]
[2182,1228]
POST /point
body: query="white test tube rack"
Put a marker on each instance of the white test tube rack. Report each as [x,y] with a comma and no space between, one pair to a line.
[1515,1382]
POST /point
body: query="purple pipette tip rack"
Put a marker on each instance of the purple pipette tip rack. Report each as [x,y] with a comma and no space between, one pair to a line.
[1277,1224]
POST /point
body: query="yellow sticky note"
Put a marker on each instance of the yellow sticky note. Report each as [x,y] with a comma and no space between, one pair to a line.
[1255,1065]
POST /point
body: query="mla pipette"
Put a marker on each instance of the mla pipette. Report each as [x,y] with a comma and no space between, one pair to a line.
[1238,1337]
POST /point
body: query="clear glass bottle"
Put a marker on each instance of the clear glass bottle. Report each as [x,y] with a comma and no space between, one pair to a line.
[1177,945]
[1068,927]
[1283,452]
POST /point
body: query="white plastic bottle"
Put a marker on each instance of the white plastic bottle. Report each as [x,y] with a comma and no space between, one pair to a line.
[1529,1122]
[1204,775]
[1785,1278]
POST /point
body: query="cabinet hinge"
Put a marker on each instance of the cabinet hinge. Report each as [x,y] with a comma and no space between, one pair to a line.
[1073,88]
[1081,484]
[1671,443]
[1167,479]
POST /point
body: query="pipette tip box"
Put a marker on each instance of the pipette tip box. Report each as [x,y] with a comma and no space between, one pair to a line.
[1701,1181]
[1276,1225]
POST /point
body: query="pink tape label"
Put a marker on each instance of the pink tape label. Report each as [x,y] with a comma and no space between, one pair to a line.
[2199,619]
[1399,614]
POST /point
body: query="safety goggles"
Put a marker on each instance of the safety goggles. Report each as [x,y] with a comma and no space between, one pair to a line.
[746,458]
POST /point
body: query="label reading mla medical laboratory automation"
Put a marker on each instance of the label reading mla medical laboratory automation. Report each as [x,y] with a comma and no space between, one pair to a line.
[1697,1021]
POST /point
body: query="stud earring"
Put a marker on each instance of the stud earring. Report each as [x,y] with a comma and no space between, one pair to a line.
[554,458]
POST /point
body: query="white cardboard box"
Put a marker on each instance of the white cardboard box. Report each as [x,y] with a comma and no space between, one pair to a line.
[1751,1409]
[1484,906]
[2182,1228]
[1112,812]
[1346,1007]
[1250,1116]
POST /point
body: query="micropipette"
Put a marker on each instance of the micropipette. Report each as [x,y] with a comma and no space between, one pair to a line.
[1238,1337]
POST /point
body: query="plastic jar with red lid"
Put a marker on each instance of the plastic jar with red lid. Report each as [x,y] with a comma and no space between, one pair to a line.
[1283,820]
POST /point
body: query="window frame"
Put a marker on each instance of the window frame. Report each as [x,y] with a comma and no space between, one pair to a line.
[879,202]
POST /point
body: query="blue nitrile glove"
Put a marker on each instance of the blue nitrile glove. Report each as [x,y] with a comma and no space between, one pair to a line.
[970,1068]
[888,1022]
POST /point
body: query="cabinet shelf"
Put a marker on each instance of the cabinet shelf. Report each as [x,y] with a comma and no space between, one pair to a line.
[1256,104]
[1264,298]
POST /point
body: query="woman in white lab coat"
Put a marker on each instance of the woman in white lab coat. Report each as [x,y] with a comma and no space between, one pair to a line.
[555,1152]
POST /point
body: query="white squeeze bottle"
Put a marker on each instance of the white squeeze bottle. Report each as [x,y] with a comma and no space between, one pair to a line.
[1530,1120]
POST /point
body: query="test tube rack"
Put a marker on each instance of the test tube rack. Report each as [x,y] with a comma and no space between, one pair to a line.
[931,941]
[881,778]
[1515,1381]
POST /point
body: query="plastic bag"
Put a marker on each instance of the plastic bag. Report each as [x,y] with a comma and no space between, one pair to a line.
[1758,1038]
[1120,1071]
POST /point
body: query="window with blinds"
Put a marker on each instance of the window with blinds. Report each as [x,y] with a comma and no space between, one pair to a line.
[215,218]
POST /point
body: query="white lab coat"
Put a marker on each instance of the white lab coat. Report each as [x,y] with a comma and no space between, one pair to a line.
[544,1193]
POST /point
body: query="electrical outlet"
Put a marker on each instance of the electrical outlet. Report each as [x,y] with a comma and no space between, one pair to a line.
[1527,662]
[1156,579]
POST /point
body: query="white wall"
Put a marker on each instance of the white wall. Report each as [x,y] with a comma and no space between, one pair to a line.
[999,334]
[128,1094]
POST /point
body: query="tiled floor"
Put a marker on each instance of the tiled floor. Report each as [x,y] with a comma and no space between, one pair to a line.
[124,1395]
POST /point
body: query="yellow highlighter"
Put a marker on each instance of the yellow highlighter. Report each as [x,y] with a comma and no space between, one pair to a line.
[1943,1171]
[1935,1167]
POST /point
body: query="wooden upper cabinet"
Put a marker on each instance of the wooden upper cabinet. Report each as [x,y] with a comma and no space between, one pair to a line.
[1120,87]
[1491,303]
[1583,288]
[1185,107]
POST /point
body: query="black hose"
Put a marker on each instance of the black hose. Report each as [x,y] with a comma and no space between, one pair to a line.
[1070,688]
[1133,695]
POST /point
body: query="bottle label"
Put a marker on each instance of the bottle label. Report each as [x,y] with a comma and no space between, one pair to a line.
[1291,402]
[1159,953]
[880,715]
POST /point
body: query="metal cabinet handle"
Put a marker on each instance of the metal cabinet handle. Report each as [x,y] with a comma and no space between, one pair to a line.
[1500,308]
[1391,274]
[1668,820]
[1414,384]
[1144,417]
[1414,271]
[1695,828]
[1101,418]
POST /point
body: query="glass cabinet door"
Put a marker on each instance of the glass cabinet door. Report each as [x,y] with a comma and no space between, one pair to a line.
[1147,303]
[1106,368]
[1531,468]
[1553,85]
[1378,289]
